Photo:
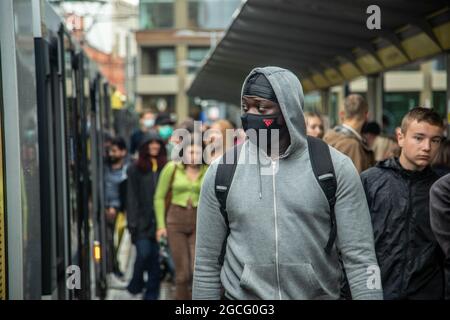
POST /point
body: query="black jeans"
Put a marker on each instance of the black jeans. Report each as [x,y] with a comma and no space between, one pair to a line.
[147,260]
[112,264]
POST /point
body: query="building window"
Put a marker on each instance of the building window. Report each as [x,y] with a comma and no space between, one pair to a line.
[156,14]
[211,14]
[195,57]
[396,105]
[158,61]
[166,61]
[439,105]
[159,103]
[439,63]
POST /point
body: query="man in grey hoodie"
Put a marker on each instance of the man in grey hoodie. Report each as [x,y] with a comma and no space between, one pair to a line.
[279,223]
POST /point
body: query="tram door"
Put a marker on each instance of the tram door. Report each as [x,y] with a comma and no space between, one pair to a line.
[72,151]
[83,182]
[97,106]
[53,176]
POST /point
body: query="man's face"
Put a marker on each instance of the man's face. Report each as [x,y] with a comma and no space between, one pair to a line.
[419,144]
[147,120]
[116,154]
[259,106]
[262,107]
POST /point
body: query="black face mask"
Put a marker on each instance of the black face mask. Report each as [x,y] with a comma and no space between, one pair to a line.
[261,122]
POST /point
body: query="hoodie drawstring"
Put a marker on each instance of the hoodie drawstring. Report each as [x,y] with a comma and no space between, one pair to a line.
[259,174]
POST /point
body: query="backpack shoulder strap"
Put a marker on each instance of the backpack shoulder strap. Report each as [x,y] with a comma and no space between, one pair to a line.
[322,165]
[224,177]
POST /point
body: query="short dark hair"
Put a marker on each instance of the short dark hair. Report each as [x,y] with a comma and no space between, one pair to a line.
[372,128]
[421,114]
[119,142]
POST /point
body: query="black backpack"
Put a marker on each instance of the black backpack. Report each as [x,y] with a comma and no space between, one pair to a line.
[323,169]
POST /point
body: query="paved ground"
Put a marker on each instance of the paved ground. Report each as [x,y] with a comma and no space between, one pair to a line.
[126,257]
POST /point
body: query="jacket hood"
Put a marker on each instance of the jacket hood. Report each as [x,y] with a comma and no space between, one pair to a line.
[151,136]
[391,163]
[289,94]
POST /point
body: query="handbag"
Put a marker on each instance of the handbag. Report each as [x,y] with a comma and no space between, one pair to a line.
[121,223]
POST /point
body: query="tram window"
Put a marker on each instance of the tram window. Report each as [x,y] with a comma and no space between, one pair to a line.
[71,145]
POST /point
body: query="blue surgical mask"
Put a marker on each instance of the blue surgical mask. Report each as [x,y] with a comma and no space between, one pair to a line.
[165,132]
[148,123]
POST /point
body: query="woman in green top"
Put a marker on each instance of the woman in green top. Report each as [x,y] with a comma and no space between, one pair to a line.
[184,181]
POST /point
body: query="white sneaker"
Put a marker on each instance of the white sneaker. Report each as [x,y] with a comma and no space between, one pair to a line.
[130,296]
[123,295]
[116,283]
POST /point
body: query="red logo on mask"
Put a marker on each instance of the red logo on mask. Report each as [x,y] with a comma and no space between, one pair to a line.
[268,122]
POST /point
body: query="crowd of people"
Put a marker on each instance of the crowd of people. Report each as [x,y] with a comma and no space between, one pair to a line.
[343,213]
[157,197]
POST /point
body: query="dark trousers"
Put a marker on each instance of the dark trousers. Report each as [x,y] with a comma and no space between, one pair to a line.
[147,260]
[112,264]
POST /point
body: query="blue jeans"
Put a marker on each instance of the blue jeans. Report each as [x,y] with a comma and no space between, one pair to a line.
[147,259]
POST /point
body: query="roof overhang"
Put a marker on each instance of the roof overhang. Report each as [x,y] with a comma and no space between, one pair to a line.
[324,42]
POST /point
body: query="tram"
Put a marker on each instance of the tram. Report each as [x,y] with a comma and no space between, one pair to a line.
[54,111]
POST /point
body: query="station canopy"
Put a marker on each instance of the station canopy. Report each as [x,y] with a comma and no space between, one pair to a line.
[324,42]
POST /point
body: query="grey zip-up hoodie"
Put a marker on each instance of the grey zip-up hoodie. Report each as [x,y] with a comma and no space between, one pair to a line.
[275,249]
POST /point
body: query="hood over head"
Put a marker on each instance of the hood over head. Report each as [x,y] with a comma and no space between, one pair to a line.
[289,95]
[152,135]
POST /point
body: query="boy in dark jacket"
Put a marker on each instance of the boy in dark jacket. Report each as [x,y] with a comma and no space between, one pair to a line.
[397,192]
